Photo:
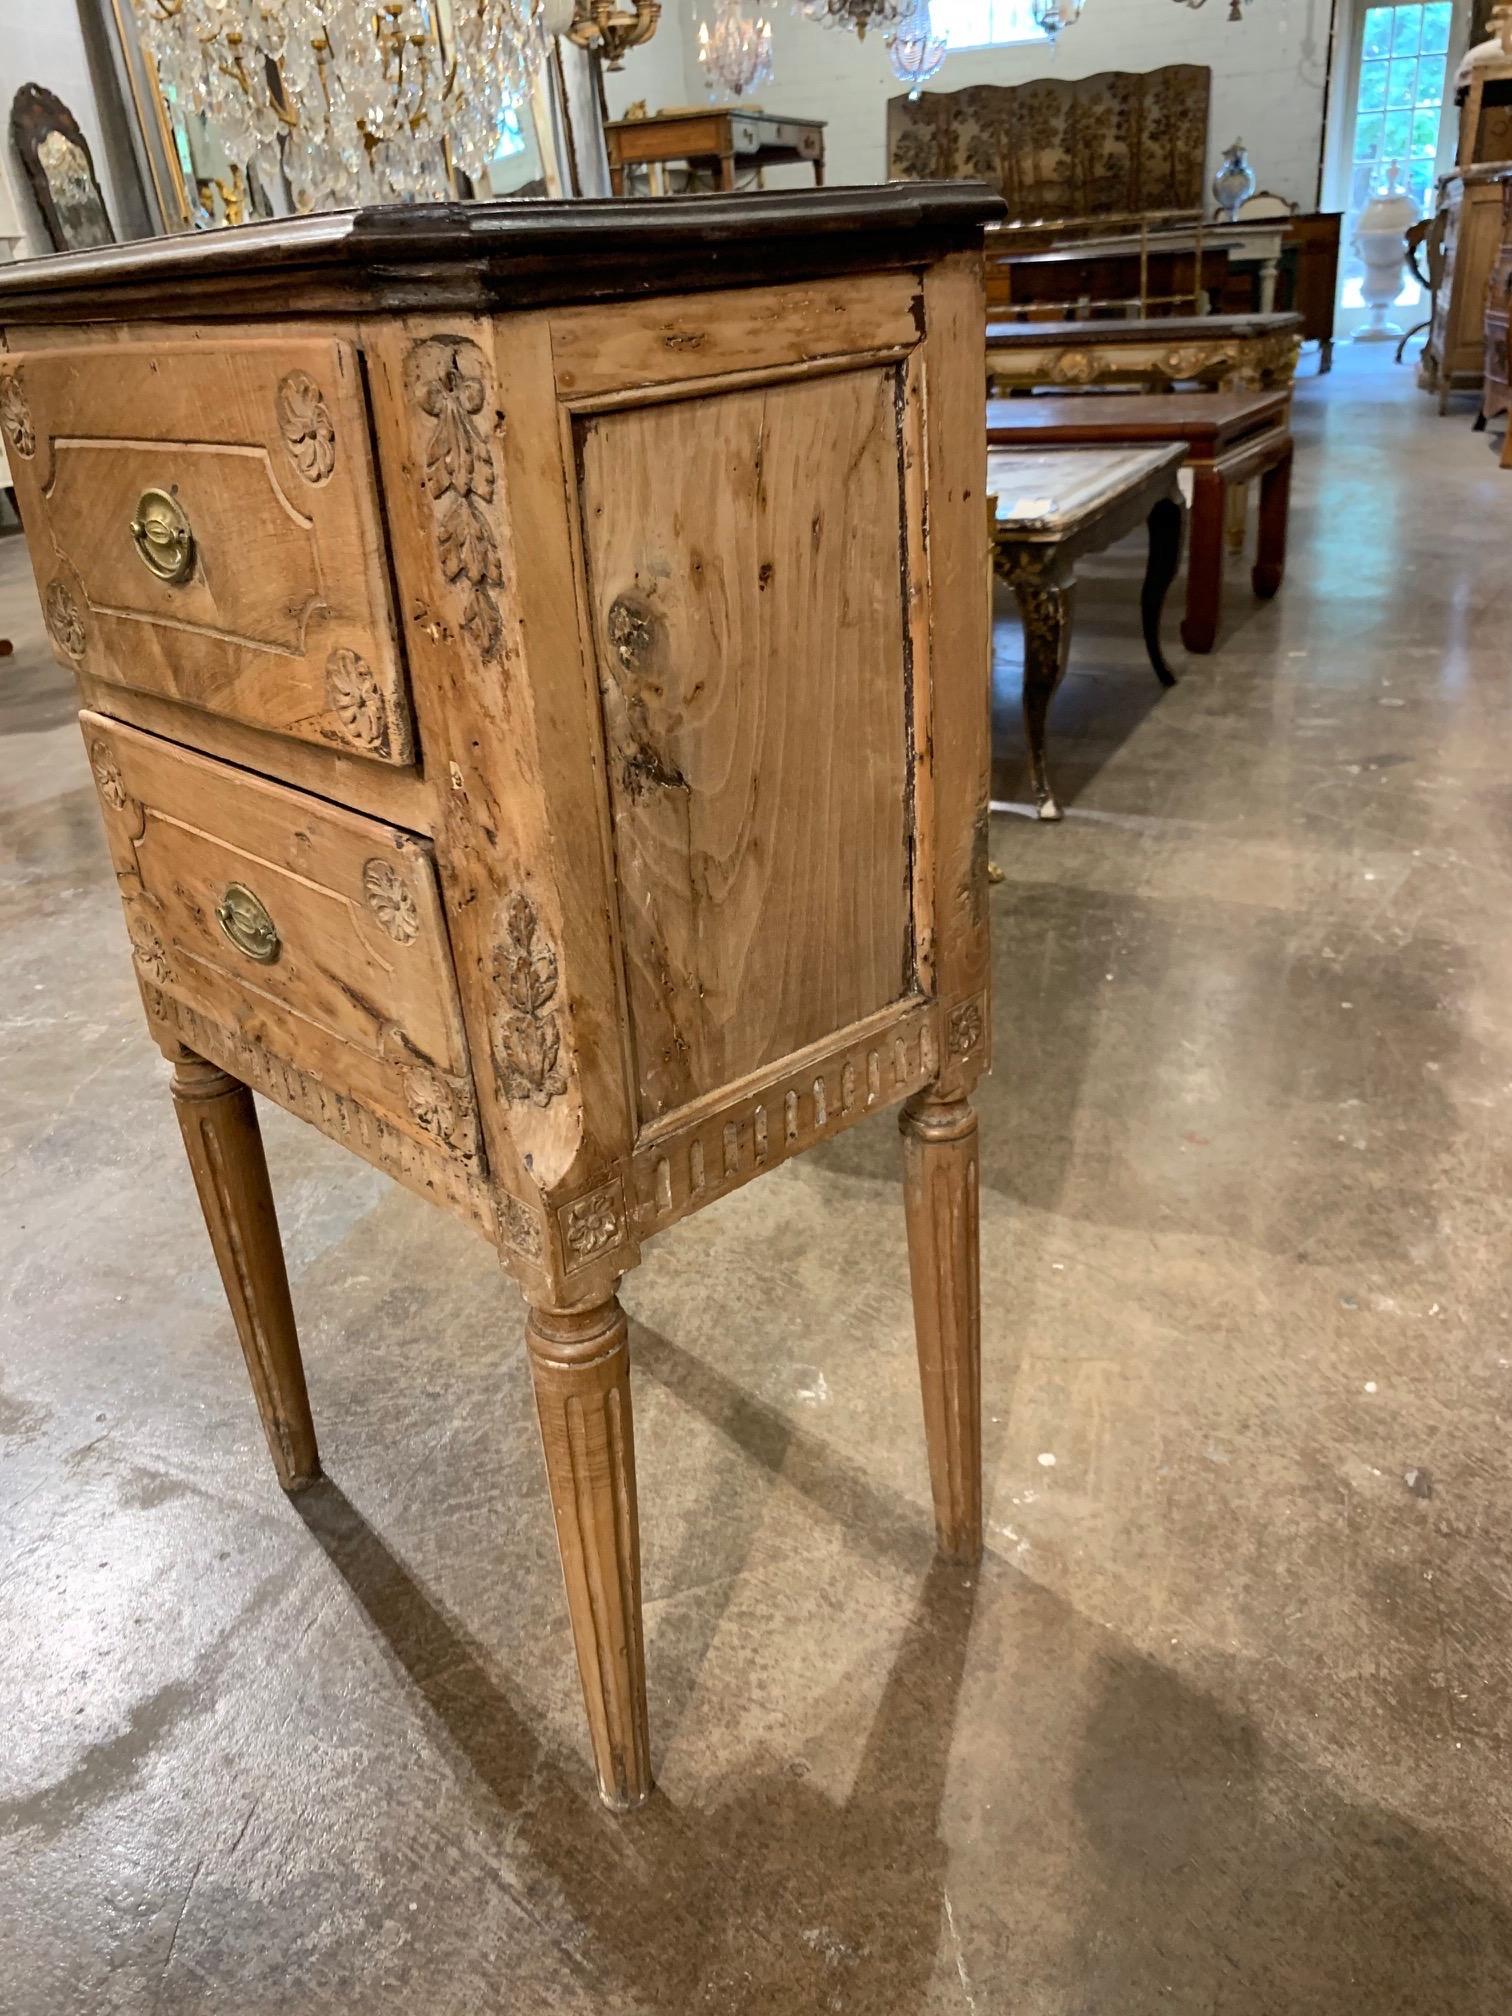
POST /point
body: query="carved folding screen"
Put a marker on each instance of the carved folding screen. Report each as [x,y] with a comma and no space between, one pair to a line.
[1123,141]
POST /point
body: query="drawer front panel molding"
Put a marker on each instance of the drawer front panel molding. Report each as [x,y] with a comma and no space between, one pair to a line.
[205,522]
[313,933]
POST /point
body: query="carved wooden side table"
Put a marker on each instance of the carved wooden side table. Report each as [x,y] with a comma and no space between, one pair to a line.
[1053,506]
[533,670]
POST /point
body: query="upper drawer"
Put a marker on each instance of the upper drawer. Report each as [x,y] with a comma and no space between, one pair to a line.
[204,525]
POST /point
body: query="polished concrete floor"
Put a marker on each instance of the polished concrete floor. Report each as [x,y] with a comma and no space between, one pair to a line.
[1222,1725]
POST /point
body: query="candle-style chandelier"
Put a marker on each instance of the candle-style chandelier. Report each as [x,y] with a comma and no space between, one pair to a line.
[915,48]
[855,14]
[367,101]
[736,52]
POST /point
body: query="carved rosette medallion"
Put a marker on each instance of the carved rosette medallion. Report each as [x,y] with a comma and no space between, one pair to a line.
[15,416]
[1074,367]
[593,1224]
[306,426]
[964,1028]
[442,1111]
[391,900]
[449,385]
[353,696]
[147,949]
[520,1228]
[107,775]
[65,626]
[527,1036]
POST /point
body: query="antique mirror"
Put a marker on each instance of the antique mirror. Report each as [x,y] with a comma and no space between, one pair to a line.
[61,171]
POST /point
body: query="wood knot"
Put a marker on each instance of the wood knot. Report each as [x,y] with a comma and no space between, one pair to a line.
[629,628]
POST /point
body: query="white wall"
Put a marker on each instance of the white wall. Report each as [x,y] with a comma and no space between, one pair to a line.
[43,42]
[1268,77]
[655,71]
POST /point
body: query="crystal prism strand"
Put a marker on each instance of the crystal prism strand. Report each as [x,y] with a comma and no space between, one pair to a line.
[736,53]
[914,49]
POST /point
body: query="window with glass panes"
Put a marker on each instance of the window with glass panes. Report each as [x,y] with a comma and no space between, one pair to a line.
[1404,56]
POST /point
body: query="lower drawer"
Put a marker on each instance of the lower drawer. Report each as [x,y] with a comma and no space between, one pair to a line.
[302,935]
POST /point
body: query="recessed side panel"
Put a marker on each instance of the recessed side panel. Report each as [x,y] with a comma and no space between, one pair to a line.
[748,602]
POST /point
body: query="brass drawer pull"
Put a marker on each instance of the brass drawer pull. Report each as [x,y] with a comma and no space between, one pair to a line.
[160,532]
[247,924]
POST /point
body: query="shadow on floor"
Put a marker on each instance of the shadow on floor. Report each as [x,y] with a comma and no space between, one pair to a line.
[1209,1874]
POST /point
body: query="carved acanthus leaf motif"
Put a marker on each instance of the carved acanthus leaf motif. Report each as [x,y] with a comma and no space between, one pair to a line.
[442,1111]
[527,1034]
[15,416]
[353,696]
[65,626]
[459,479]
[107,774]
[306,425]
[391,900]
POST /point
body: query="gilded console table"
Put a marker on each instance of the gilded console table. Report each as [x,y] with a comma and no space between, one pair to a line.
[1240,353]
[530,752]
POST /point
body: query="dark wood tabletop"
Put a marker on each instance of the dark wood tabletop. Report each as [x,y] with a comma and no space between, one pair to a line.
[520,252]
[1209,421]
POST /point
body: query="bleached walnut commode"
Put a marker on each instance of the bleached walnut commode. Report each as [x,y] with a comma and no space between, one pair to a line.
[534,671]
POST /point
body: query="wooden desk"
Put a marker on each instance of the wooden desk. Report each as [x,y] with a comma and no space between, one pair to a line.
[1231,438]
[716,139]
[1236,352]
[1307,280]
[1121,280]
[1053,506]
[499,768]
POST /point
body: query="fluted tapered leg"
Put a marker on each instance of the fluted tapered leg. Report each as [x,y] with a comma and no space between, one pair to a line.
[940,1196]
[219,1125]
[580,1362]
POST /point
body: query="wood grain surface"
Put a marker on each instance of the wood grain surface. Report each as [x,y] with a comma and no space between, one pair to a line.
[284,621]
[748,609]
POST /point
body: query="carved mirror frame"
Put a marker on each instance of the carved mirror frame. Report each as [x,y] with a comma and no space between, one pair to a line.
[60,169]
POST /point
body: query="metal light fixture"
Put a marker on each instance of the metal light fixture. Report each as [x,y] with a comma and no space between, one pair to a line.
[855,14]
[736,53]
[915,49]
[1236,7]
[610,30]
[1050,16]
[355,102]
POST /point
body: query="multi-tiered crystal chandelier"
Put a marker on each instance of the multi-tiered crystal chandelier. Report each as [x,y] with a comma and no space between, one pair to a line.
[736,53]
[915,48]
[356,101]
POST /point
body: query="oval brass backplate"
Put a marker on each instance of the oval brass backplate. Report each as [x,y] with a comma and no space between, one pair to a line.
[247,924]
[160,532]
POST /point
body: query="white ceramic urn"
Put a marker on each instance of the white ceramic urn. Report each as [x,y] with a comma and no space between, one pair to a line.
[1380,240]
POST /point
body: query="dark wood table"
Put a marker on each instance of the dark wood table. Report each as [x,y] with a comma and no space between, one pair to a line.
[1052,506]
[1235,352]
[1230,438]
[716,137]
